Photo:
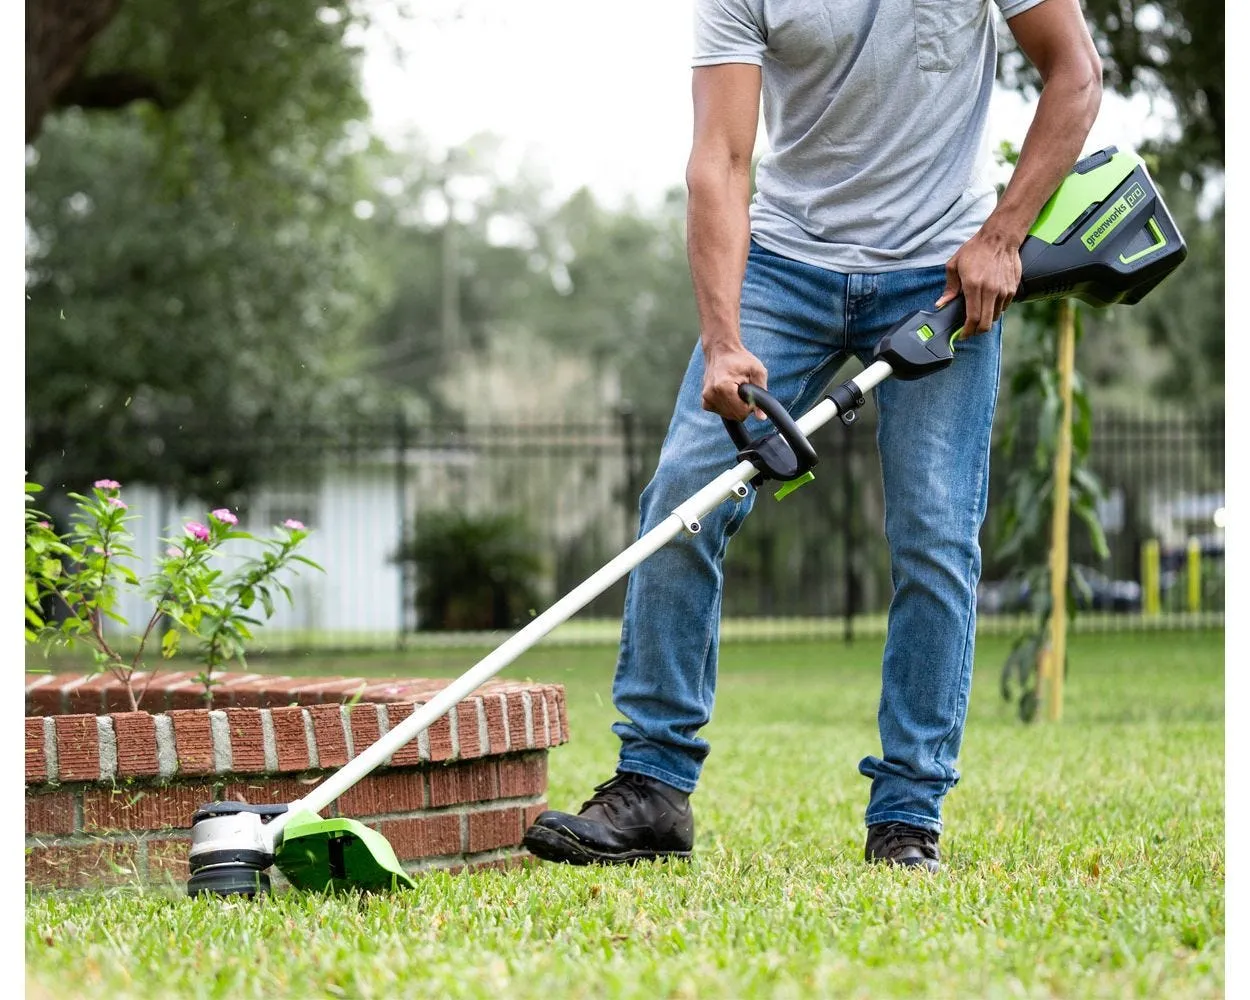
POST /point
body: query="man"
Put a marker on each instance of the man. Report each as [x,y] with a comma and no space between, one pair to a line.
[873,203]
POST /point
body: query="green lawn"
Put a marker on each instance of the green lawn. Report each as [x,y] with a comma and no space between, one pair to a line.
[1084,859]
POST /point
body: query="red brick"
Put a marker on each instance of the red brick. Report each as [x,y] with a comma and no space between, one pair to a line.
[424,836]
[247,740]
[496,828]
[282,692]
[364,723]
[532,812]
[77,747]
[516,722]
[468,730]
[423,688]
[190,696]
[441,747]
[135,733]
[553,715]
[327,722]
[34,680]
[88,697]
[458,783]
[542,718]
[410,752]
[375,794]
[291,739]
[332,690]
[163,807]
[50,813]
[193,740]
[250,694]
[496,731]
[47,698]
[563,711]
[76,867]
[267,790]
[36,759]
[168,860]
[231,680]
[386,691]
[115,697]
[157,697]
[520,777]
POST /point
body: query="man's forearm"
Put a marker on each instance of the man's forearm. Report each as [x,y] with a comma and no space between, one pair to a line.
[1065,114]
[718,236]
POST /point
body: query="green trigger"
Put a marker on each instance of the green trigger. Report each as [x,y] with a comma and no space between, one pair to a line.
[791,485]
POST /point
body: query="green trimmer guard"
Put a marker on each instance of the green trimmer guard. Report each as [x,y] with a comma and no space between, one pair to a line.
[333,854]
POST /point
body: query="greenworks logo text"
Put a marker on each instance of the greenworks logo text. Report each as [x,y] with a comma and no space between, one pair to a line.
[1112,217]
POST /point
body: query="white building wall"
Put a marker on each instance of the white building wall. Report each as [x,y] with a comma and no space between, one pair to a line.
[353,514]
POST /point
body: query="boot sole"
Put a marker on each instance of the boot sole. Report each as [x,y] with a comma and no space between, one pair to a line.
[551,845]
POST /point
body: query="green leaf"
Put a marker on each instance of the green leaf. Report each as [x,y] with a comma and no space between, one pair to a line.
[170,642]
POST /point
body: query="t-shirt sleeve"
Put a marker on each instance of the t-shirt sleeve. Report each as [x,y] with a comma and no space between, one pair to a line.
[728,31]
[1010,8]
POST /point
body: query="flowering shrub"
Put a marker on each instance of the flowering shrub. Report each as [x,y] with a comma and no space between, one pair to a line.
[73,583]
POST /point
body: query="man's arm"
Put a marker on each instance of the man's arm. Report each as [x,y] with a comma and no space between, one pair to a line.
[1054,37]
[718,180]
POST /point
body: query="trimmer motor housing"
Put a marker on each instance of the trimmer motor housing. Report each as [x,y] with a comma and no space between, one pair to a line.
[1105,237]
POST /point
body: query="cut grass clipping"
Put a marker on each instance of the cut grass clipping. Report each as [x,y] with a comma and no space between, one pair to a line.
[1084,859]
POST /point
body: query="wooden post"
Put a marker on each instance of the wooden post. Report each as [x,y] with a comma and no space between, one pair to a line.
[1194,576]
[1059,518]
[1150,577]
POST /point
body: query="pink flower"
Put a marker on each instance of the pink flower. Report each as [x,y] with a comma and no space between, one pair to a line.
[107,484]
[197,530]
[117,502]
[173,552]
[293,524]
[224,516]
[44,524]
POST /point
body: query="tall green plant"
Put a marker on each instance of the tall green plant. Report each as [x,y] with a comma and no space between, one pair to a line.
[1022,521]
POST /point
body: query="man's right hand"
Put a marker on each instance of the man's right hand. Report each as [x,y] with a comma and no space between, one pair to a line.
[726,368]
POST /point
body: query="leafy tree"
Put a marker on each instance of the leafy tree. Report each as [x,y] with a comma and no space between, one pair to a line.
[267,72]
[167,319]
[1173,49]
[194,266]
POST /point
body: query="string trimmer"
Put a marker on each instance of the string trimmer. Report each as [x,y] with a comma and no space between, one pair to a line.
[1105,237]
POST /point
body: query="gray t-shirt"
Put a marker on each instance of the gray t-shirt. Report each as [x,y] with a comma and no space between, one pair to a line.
[875,112]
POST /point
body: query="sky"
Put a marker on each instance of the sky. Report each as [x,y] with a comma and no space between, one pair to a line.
[589,93]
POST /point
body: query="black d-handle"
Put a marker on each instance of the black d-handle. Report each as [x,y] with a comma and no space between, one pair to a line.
[784,454]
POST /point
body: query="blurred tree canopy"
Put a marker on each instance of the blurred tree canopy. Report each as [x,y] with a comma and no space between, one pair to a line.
[195,267]
[1171,49]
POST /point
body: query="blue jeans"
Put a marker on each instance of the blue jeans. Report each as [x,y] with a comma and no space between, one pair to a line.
[933,434]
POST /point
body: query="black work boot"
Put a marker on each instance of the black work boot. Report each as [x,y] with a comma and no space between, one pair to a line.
[900,844]
[629,818]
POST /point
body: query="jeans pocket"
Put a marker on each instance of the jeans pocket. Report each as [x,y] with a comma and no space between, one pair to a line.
[946,30]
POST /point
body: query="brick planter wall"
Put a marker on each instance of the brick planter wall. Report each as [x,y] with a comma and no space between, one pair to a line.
[110,793]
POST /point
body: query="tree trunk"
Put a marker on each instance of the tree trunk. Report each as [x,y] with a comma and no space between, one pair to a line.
[59,34]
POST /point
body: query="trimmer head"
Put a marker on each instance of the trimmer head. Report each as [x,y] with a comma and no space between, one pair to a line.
[230,849]
[1105,237]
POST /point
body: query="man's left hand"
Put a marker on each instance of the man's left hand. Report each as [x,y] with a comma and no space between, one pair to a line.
[986,270]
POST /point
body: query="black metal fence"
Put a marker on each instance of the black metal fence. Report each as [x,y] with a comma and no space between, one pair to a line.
[498,521]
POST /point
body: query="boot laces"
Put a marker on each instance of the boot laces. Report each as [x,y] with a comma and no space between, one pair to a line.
[894,837]
[622,790]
